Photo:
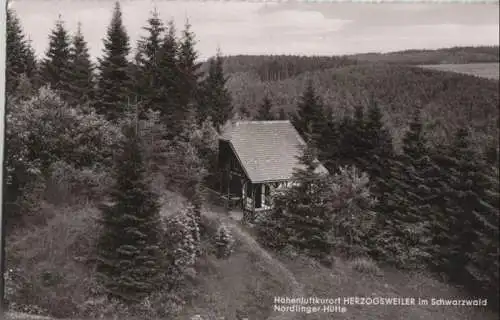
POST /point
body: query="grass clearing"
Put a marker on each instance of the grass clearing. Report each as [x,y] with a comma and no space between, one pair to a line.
[482,70]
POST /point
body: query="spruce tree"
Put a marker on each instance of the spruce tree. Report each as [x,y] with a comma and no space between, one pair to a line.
[81,84]
[189,69]
[301,212]
[471,209]
[330,144]
[310,113]
[130,261]
[148,76]
[264,112]
[169,91]
[216,100]
[380,148]
[353,145]
[20,58]
[405,227]
[114,80]
[484,256]
[55,68]
[354,140]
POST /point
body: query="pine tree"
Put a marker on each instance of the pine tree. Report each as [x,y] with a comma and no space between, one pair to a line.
[20,55]
[330,144]
[189,70]
[353,148]
[405,212]
[310,113]
[81,84]
[184,169]
[216,100]
[114,80]
[352,210]
[148,59]
[55,68]
[471,208]
[301,216]
[168,93]
[484,257]
[264,112]
[130,261]
[380,148]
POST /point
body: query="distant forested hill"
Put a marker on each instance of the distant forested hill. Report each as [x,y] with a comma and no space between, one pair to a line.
[455,55]
[448,100]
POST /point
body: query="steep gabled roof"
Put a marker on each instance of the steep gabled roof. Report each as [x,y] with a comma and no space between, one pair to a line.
[267,150]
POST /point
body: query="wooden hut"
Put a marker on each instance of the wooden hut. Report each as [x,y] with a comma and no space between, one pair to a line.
[257,158]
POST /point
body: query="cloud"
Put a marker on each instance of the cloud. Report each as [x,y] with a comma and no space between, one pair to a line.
[260,28]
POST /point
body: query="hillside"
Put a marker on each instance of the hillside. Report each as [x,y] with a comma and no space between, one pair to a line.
[454,55]
[448,99]
[246,283]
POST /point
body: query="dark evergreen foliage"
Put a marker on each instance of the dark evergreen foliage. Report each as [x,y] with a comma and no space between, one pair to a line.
[264,112]
[55,68]
[404,223]
[379,140]
[215,99]
[310,117]
[20,56]
[301,217]
[148,73]
[81,82]
[282,115]
[130,261]
[189,71]
[169,94]
[114,79]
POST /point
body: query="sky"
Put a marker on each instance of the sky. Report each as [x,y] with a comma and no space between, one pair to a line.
[239,27]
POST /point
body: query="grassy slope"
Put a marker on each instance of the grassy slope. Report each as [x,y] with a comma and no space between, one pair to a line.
[250,279]
[483,70]
[248,282]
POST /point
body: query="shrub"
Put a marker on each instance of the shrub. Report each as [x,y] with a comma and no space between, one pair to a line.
[364,265]
[182,244]
[53,263]
[224,242]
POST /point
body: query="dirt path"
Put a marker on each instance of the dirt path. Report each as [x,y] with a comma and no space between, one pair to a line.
[242,235]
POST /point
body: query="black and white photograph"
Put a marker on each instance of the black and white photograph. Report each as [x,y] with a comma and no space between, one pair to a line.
[249,160]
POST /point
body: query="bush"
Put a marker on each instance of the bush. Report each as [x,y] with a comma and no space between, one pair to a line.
[182,245]
[53,263]
[364,265]
[68,184]
[224,242]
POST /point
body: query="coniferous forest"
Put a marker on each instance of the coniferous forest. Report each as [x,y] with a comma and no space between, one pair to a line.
[108,163]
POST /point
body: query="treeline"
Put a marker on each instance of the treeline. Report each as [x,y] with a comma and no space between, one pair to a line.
[454,55]
[431,207]
[109,137]
[281,67]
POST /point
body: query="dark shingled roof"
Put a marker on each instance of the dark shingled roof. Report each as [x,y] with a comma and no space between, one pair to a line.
[267,150]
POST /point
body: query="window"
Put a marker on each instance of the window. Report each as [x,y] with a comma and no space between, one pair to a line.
[267,195]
